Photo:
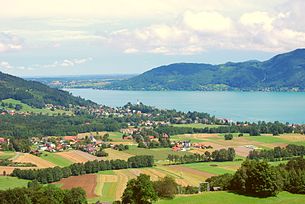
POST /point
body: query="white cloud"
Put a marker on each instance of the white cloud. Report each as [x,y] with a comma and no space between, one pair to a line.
[257,18]
[172,27]
[65,63]
[207,21]
[9,42]
[5,65]
[131,50]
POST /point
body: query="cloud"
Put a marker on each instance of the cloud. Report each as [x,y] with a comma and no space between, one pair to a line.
[65,63]
[207,21]
[257,19]
[173,27]
[6,66]
[131,50]
[10,42]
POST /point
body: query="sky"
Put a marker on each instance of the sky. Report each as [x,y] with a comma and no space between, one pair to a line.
[82,37]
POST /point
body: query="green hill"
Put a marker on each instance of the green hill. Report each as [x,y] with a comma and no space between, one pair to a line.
[35,94]
[284,72]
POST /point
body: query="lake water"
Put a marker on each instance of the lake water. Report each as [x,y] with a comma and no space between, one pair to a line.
[238,106]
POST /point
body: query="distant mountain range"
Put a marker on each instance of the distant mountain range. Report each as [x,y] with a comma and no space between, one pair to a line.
[36,94]
[284,72]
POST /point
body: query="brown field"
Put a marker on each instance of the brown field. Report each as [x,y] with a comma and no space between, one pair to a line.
[191,176]
[242,151]
[77,156]
[293,137]
[115,154]
[87,182]
[29,158]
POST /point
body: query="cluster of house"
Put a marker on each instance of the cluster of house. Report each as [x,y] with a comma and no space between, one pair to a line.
[187,145]
[54,144]
[182,146]
[59,144]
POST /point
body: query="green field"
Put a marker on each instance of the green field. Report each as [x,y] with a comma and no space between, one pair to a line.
[27,108]
[197,125]
[215,167]
[231,198]
[116,136]
[7,155]
[268,139]
[158,153]
[109,190]
[56,159]
[7,182]
[107,172]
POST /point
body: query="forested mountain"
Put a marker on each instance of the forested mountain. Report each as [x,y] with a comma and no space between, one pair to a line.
[34,93]
[285,72]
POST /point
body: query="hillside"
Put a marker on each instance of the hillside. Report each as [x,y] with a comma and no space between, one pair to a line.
[35,94]
[284,72]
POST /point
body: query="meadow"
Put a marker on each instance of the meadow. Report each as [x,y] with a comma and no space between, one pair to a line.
[231,198]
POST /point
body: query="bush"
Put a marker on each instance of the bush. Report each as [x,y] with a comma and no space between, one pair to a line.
[228,136]
[166,187]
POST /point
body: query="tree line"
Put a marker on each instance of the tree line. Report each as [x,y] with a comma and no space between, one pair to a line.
[254,129]
[278,153]
[49,175]
[217,155]
[258,178]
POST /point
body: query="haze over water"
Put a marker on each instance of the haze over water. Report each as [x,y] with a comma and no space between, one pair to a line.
[238,106]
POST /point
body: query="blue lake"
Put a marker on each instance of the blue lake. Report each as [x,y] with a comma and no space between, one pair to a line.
[238,106]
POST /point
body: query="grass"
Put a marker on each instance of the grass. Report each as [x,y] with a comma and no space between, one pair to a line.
[116,136]
[109,190]
[27,108]
[221,168]
[158,153]
[7,155]
[7,182]
[107,172]
[56,159]
[231,198]
[197,125]
[268,139]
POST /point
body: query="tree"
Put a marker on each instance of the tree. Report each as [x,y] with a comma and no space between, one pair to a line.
[228,136]
[166,187]
[139,191]
[255,178]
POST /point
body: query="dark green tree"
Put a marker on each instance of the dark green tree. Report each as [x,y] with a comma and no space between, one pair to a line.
[139,191]
[255,178]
